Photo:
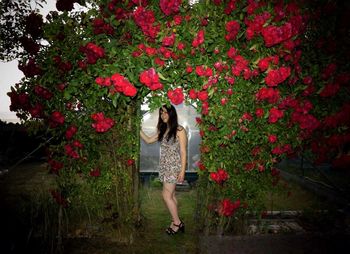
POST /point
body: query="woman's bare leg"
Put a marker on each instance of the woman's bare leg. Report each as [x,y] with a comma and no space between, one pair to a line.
[170,201]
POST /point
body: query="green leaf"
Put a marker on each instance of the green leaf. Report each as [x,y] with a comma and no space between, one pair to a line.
[161,76]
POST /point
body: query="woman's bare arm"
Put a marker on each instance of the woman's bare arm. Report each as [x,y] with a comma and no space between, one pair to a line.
[181,133]
[149,139]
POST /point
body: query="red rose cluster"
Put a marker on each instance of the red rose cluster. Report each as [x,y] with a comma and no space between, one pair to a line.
[101,27]
[274,35]
[168,41]
[37,110]
[227,207]
[34,25]
[201,95]
[201,166]
[220,176]
[199,39]
[130,162]
[150,79]
[30,69]
[145,19]
[176,96]
[278,150]
[204,71]
[275,114]
[101,124]
[339,118]
[230,6]
[70,132]
[29,45]
[56,119]
[264,63]
[232,28]
[71,152]
[256,24]
[120,84]
[56,166]
[19,101]
[42,92]
[170,7]
[275,77]
[330,90]
[95,172]
[57,196]
[266,93]
[92,52]
[63,66]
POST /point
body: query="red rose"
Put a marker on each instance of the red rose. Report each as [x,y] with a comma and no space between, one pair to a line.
[176,96]
[199,39]
[232,27]
[70,132]
[170,7]
[150,51]
[130,162]
[95,172]
[275,114]
[150,79]
[129,90]
[272,138]
[177,20]
[202,95]
[201,166]
[192,94]
[71,152]
[78,144]
[57,117]
[275,77]
[259,112]
[56,166]
[330,90]
[101,124]
[181,46]
[189,69]
[169,40]
[269,94]
[227,207]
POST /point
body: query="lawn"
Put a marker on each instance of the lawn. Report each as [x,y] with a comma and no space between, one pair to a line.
[21,185]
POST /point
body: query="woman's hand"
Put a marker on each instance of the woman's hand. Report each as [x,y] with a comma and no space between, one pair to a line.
[181,177]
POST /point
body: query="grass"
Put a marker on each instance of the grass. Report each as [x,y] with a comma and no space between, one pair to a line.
[294,198]
[30,179]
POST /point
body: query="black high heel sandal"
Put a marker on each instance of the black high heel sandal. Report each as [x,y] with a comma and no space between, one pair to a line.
[181,228]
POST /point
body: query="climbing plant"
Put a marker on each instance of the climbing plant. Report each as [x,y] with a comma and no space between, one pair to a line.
[249,67]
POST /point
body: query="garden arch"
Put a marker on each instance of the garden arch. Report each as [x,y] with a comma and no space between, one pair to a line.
[247,65]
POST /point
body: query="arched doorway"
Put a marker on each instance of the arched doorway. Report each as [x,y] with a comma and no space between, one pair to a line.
[149,154]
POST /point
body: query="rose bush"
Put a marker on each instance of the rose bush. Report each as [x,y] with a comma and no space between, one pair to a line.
[249,67]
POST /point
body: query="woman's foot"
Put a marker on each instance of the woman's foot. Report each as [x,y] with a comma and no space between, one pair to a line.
[175,228]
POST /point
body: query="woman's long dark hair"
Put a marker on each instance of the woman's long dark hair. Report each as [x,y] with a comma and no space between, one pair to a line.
[172,123]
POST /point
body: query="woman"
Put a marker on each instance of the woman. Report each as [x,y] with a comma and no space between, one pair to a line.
[172,163]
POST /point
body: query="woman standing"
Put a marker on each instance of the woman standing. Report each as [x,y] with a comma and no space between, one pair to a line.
[172,163]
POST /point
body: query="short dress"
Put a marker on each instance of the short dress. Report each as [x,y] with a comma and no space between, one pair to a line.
[170,160]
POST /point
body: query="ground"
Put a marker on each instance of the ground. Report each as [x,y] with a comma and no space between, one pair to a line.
[323,233]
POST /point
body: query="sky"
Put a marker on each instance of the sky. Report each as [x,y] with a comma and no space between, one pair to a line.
[9,75]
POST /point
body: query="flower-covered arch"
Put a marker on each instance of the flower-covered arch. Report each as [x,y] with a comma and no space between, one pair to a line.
[247,65]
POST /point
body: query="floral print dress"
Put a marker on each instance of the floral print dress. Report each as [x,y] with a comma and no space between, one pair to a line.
[170,160]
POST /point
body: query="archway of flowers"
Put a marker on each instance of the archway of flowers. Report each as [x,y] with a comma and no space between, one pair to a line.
[248,65]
